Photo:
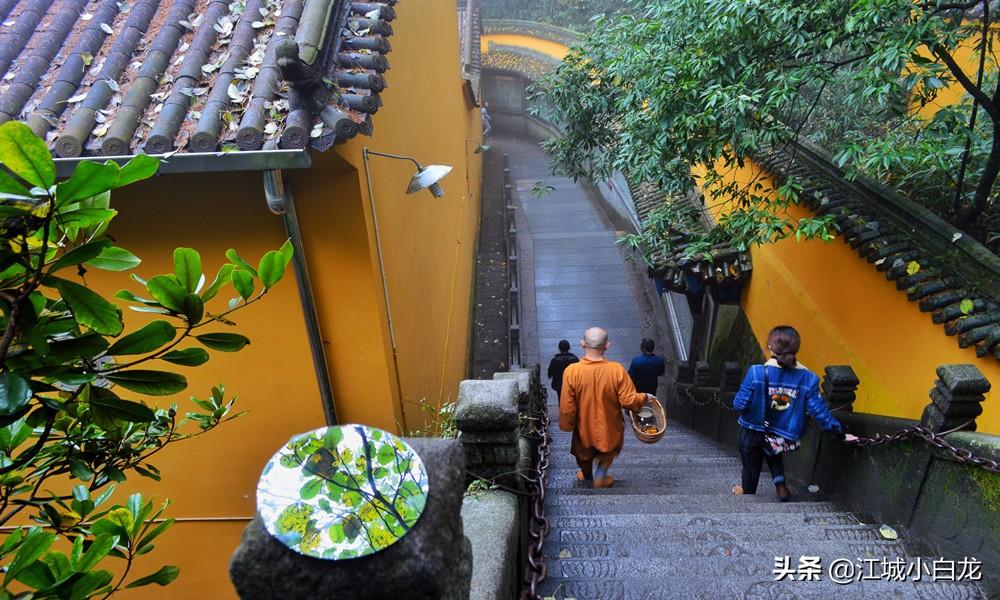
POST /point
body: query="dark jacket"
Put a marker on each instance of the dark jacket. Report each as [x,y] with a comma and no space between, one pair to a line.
[645,371]
[791,394]
[557,365]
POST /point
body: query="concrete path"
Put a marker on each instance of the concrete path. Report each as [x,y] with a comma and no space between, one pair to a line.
[669,528]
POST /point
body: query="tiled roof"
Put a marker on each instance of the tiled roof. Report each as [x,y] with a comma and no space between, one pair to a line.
[948,274]
[676,270]
[116,78]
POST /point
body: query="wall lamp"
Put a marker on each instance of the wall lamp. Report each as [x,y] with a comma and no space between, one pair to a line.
[425,177]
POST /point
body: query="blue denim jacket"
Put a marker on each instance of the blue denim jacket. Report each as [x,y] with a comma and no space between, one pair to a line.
[791,394]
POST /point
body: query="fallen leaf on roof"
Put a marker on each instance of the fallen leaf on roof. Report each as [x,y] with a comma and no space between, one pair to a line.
[373,14]
[107,28]
[77,98]
[86,17]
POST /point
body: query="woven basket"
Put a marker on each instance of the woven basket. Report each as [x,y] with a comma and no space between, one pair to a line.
[659,415]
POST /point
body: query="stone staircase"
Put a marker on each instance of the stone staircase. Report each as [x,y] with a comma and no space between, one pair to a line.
[670,529]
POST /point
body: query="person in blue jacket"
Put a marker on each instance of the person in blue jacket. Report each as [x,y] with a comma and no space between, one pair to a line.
[773,402]
[646,369]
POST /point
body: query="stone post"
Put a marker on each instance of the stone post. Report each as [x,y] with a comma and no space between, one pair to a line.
[487,421]
[840,385]
[956,398]
[431,562]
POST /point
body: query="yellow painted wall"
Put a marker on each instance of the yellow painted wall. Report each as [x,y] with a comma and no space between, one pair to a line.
[428,243]
[553,49]
[848,313]
[213,477]
[429,251]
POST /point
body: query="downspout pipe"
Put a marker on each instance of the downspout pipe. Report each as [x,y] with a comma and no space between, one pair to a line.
[280,202]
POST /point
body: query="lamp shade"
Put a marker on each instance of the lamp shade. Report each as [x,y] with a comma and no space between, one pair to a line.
[427,177]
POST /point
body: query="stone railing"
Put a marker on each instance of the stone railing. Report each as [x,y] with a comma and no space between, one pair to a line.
[949,505]
[464,545]
[495,421]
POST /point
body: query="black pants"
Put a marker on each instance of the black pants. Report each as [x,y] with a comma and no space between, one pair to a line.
[752,454]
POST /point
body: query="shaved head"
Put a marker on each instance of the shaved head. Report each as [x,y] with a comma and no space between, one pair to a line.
[595,338]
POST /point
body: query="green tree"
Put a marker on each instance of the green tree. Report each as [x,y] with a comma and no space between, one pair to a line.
[72,424]
[715,82]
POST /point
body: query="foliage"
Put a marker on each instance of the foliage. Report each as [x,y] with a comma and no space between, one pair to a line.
[575,14]
[709,84]
[71,375]
[440,420]
[359,490]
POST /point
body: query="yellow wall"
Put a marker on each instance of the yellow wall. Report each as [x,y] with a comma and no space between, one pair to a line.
[429,251]
[848,313]
[553,49]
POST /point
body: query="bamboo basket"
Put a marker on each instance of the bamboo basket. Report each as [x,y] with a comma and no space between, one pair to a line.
[659,416]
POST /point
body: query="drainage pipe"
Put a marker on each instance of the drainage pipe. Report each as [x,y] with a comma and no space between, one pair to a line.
[280,202]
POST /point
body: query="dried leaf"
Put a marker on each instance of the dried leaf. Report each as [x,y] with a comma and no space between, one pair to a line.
[77,98]
[271,128]
[86,17]
[113,85]
[888,532]
[107,28]
[955,237]
[102,130]
[234,92]
[317,130]
[373,14]
[565,553]
[813,488]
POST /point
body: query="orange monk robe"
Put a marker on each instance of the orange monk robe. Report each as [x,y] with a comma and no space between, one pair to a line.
[593,394]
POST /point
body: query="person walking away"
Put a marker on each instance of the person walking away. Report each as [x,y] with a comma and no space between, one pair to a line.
[646,369]
[559,363]
[487,121]
[594,392]
[773,402]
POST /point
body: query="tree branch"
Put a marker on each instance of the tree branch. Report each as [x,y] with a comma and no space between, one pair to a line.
[976,92]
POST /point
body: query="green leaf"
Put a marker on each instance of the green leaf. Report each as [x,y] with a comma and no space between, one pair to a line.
[89,308]
[115,259]
[88,583]
[311,488]
[194,308]
[26,155]
[221,278]
[9,185]
[89,179]
[85,217]
[187,267]
[168,291]
[153,383]
[80,254]
[124,410]
[99,548]
[87,345]
[912,267]
[15,393]
[154,533]
[162,577]
[142,166]
[224,342]
[188,357]
[243,282]
[239,262]
[36,542]
[272,268]
[154,335]
[967,306]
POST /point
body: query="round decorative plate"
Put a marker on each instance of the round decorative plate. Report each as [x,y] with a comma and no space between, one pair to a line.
[342,492]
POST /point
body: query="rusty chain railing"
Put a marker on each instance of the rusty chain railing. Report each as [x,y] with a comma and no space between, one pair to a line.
[961,455]
[683,395]
[538,526]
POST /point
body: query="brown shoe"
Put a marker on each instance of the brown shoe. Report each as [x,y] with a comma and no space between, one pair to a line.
[604,482]
[784,494]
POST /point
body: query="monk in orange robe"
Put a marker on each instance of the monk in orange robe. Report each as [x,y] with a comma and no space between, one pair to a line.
[594,392]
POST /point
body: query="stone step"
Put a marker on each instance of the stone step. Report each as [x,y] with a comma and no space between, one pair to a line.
[696,586]
[712,504]
[627,524]
[715,566]
[758,544]
[697,536]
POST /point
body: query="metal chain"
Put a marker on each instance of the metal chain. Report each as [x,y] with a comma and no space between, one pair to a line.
[538,526]
[961,455]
